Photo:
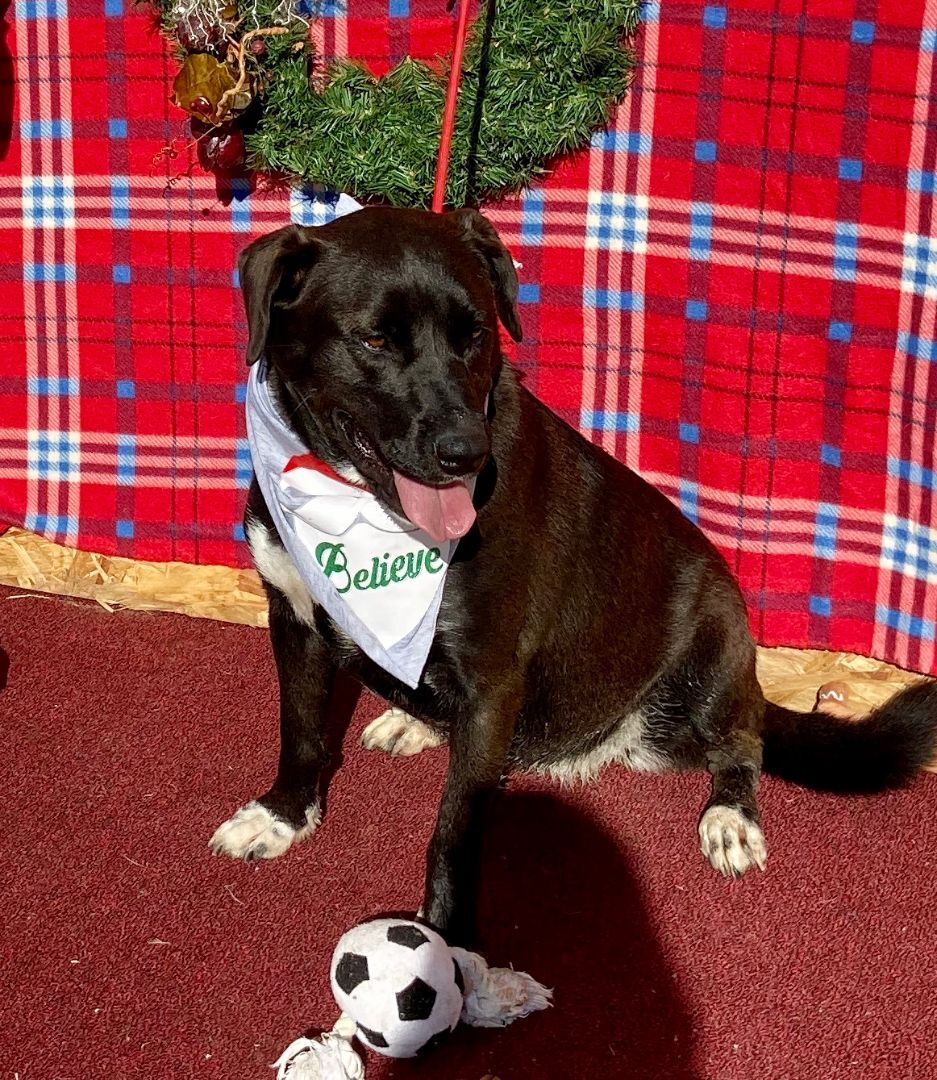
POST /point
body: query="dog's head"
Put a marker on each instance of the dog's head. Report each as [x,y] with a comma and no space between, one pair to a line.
[383,327]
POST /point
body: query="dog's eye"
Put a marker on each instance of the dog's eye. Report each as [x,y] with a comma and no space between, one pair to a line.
[375,342]
[478,334]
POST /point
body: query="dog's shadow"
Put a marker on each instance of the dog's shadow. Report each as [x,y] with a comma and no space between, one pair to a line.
[559,901]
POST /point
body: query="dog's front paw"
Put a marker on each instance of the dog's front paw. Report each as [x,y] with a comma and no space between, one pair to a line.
[397,732]
[254,832]
[731,841]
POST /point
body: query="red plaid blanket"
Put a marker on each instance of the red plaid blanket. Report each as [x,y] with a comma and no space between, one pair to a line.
[733,290]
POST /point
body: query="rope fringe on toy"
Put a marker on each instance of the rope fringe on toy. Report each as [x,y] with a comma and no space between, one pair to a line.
[494,998]
[332,1058]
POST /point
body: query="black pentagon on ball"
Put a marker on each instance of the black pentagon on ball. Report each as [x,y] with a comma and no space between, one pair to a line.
[433,1041]
[459,981]
[375,1038]
[416,1001]
[412,937]
[351,970]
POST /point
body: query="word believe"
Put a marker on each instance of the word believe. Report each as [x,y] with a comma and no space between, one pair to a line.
[382,572]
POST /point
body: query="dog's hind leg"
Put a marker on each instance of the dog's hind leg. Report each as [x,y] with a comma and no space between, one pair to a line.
[730,829]
[398,733]
[726,707]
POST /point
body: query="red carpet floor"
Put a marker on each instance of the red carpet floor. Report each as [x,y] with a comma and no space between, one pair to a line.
[129,951]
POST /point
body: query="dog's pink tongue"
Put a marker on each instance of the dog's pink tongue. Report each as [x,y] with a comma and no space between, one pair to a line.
[446,513]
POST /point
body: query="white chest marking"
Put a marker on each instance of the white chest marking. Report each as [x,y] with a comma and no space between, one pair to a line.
[276,567]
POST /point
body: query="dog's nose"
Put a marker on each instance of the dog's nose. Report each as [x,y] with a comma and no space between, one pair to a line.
[462,453]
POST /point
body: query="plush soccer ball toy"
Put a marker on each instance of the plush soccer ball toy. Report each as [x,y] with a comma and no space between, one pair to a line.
[400,984]
[402,990]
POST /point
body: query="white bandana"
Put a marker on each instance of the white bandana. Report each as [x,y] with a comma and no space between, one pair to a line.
[379,577]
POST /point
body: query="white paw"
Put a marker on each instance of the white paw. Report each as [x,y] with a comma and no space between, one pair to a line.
[253,832]
[731,842]
[398,733]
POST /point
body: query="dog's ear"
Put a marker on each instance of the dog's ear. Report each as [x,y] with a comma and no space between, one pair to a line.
[481,235]
[272,268]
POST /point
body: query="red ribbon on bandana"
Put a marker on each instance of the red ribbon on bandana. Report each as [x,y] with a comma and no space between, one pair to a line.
[310,461]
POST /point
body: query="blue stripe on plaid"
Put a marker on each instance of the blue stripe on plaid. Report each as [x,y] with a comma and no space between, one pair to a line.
[120,201]
[689,500]
[126,459]
[714,17]
[850,169]
[243,467]
[126,389]
[614,299]
[312,206]
[922,348]
[863,32]
[602,420]
[54,455]
[919,270]
[909,548]
[922,180]
[821,605]
[913,625]
[48,201]
[398,9]
[912,472]
[532,205]
[617,221]
[322,9]
[689,433]
[51,524]
[650,12]
[701,230]
[44,9]
[240,205]
[827,523]
[237,532]
[117,129]
[46,129]
[240,393]
[124,529]
[697,309]
[49,272]
[46,387]
[831,455]
[622,142]
[845,251]
[929,39]
[528,293]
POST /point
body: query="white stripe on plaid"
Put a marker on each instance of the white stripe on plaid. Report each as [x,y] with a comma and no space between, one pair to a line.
[47,209]
[900,541]
[810,247]
[12,438]
[646,101]
[30,241]
[68,352]
[590,314]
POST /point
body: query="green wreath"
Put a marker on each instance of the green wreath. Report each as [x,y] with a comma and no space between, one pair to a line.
[539,77]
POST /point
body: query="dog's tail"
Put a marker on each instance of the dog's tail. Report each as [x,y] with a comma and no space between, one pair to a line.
[881,750]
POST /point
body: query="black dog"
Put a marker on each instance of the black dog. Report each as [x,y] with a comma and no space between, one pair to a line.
[584,620]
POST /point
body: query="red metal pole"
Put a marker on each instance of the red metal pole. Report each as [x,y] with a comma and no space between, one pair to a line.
[452,97]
